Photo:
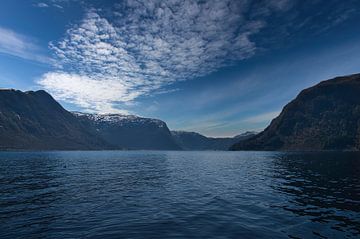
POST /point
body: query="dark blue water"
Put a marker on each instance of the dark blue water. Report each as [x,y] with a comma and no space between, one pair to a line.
[153,194]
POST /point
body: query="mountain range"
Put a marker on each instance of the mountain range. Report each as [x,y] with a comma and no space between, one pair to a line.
[33,120]
[195,141]
[323,117]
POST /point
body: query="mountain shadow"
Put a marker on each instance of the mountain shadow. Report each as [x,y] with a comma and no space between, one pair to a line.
[323,117]
[33,120]
[196,141]
[130,131]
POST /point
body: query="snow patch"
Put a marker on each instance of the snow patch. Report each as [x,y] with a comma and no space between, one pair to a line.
[119,119]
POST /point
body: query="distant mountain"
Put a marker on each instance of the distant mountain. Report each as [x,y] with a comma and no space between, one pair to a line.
[35,121]
[129,131]
[323,117]
[195,141]
[246,135]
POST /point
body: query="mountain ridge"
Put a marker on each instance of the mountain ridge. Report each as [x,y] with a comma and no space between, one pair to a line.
[325,116]
[195,141]
[130,131]
[34,120]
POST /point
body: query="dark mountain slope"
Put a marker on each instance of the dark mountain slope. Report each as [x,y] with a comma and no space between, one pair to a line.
[323,117]
[34,120]
[196,141]
[130,132]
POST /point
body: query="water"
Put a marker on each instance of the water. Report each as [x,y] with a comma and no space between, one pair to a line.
[154,194]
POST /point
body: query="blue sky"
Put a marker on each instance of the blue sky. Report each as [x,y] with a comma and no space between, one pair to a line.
[216,67]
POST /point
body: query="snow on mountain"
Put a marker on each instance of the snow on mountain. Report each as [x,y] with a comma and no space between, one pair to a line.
[119,119]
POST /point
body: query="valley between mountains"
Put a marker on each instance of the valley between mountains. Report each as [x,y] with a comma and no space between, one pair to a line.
[323,117]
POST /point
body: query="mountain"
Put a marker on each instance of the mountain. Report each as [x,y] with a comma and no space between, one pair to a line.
[323,117]
[196,141]
[246,135]
[33,120]
[129,131]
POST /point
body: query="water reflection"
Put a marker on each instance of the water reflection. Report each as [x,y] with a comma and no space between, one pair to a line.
[179,194]
[28,188]
[322,186]
[47,193]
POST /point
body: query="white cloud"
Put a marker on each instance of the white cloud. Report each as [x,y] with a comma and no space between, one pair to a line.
[15,44]
[41,5]
[86,92]
[146,45]
[60,4]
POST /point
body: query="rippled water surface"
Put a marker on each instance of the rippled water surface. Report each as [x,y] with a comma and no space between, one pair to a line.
[155,194]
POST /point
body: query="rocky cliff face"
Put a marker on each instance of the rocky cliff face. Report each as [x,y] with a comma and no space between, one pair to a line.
[34,120]
[129,131]
[323,117]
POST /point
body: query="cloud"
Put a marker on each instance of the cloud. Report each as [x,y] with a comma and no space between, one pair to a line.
[282,5]
[217,127]
[15,44]
[60,4]
[140,47]
[87,92]
[41,5]
[261,118]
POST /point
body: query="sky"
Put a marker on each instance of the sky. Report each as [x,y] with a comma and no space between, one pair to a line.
[218,67]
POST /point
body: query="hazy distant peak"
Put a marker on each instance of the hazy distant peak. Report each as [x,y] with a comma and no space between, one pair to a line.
[182,132]
[247,133]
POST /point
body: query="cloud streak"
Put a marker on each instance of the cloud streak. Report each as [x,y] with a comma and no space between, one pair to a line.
[140,47]
[262,118]
[41,5]
[15,44]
